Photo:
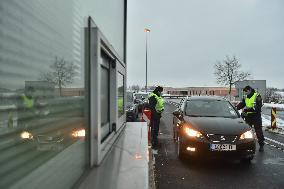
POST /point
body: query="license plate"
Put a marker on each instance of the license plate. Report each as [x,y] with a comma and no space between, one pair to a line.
[222,147]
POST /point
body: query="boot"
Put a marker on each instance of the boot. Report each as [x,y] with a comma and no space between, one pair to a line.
[261,149]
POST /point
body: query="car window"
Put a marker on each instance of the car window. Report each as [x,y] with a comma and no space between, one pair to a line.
[210,108]
[140,96]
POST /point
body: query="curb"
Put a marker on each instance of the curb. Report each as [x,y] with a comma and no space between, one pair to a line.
[151,165]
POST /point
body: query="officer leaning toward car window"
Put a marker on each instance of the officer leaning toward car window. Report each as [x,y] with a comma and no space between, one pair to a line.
[251,105]
[156,104]
[27,107]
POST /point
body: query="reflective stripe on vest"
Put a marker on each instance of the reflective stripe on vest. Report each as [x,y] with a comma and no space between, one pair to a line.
[250,102]
[160,102]
[28,103]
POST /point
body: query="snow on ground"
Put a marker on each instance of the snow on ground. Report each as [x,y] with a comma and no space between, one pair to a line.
[270,105]
[266,121]
[280,93]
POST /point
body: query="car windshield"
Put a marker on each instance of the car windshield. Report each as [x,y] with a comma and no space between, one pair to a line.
[210,108]
[140,96]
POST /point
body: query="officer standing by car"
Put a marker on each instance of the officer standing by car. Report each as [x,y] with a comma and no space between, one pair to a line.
[251,105]
[156,104]
[27,105]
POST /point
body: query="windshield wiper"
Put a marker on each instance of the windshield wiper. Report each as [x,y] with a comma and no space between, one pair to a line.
[195,115]
[220,116]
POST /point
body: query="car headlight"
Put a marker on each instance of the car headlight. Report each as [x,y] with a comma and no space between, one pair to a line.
[79,133]
[26,135]
[247,135]
[192,132]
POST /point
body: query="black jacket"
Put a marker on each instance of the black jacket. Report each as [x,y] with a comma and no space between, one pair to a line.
[152,104]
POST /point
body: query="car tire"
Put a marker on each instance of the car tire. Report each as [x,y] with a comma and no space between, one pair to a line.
[180,152]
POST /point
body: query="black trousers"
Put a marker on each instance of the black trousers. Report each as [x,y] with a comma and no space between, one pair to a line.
[155,125]
[256,122]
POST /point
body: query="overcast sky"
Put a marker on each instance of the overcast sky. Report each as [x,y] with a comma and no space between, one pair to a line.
[189,36]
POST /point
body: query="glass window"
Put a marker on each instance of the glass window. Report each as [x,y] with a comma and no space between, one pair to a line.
[105,101]
[104,96]
[129,97]
[210,108]
[42,117]
[120,96]
[141,96]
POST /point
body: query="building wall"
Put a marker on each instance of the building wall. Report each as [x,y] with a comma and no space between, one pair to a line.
[258,85]
[39,42]
[191,91]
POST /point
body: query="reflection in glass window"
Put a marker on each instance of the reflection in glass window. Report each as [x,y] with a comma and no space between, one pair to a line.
[42,88]
[120,97]
[129,97]
[104,96]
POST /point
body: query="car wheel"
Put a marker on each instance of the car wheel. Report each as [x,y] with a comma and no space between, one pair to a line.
[180,152]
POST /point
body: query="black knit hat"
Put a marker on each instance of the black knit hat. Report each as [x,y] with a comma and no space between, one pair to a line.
[159,88]
[247,88]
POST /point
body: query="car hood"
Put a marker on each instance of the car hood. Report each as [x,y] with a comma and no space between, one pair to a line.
[218,125]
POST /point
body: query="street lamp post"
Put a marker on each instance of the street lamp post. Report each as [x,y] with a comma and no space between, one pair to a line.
[147,31]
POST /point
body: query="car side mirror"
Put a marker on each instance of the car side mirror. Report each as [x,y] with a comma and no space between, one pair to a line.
[178,114]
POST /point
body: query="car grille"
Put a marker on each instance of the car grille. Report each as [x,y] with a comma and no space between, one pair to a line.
[222,138]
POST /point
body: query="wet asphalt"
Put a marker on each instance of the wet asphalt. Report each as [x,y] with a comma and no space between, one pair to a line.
[265,171]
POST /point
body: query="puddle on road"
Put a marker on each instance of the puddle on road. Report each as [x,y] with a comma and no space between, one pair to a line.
[274,161]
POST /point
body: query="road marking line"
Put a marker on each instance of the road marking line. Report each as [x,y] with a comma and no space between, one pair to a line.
[274,141]
[274,146]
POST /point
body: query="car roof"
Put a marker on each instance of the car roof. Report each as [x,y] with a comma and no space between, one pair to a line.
[207,98]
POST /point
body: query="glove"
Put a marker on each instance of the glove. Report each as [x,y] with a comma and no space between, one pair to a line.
[244,113]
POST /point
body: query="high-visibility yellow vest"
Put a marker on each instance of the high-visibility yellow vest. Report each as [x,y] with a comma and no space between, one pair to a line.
[250,102]
[160,102]
[28,103]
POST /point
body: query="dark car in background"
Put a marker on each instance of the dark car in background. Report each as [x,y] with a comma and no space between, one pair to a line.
[131,107]
[54,125]
[141,98]
[211,127]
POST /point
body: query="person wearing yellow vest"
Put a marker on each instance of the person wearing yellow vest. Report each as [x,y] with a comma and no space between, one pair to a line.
[251,111]
[26,107]
[156,104]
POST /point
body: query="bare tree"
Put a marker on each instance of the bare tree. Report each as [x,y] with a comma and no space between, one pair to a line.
[228,72]
[272,96]
[61,73]
[135,88]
